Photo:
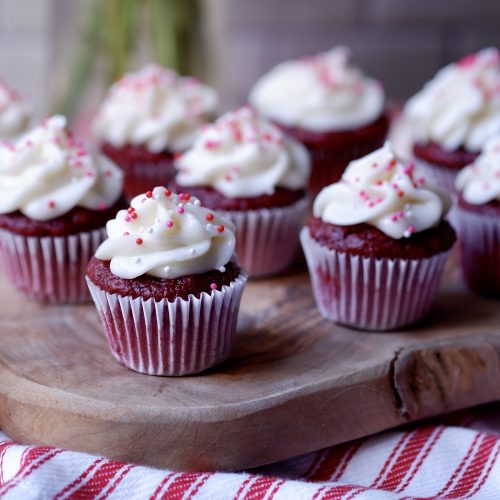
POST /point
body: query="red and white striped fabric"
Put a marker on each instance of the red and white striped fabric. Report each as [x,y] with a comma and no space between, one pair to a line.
[454,457]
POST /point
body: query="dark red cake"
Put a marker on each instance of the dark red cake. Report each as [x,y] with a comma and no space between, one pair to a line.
[211,198]
[75,221]
[368,241]
[434,154]
[147,287]
[331,152]
[142,168]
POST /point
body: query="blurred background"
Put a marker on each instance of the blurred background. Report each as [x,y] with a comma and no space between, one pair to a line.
[62,54]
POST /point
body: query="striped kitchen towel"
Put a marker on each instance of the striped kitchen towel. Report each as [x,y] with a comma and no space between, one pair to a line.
[452,457]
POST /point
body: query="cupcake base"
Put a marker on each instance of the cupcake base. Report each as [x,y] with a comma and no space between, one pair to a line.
[371,293]
[479,241]
[50,268]
[170,338]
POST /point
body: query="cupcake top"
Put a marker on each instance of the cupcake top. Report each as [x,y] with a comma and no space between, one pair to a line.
[320,93]
[154,108]
[479,183]
[460,106]
[46,173]
[14,113]
[167,235]
[242,155]
[381,191]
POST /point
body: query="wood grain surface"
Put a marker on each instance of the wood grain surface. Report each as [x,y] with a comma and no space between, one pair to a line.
[295,382]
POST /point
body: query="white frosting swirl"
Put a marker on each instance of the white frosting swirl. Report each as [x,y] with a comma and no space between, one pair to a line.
[14,113]
[46,173]
[379,190]
[167,236]
[156,108]
[242,155]
[479,183]
[321,93]
[461,105]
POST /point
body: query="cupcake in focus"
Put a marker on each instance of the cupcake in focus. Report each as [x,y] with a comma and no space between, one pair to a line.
[246,169]
[166,285]
[454,115]
[14,113]
[377,244]
[147,118]
[478,220]
[327,104]
[55,199]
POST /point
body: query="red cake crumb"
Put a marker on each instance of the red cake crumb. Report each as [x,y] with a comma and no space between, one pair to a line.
[75,221]
[210,198]
[368,241]
[148,287]
[433,153]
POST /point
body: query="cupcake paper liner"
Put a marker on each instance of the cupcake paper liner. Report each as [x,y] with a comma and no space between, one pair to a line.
[479,239]
[267,239]
[179,337]
[370,293]
[440,176]
[50,269]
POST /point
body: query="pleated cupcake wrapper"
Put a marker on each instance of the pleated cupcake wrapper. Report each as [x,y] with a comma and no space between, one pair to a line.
[440,176]
[179,337]
[50,269]
[267,239]
[479,238]
[370,293]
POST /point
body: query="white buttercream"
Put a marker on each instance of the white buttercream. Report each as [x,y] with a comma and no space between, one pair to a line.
[166,236]
[320,93]
[479,183]
[154,107]
[46,173]
[14,113]
[381,191]
[460,106]
[243,155]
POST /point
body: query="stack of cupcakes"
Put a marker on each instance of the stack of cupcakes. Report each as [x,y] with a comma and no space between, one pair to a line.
[454,115]
[147,118]
[328,105]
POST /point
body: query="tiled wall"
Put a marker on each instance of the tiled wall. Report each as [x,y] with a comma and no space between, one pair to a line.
[402,42]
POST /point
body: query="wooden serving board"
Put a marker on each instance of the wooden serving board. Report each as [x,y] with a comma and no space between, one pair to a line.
[295,382]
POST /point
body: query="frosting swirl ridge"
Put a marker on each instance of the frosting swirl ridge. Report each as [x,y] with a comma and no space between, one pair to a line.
[460,106]
[14,113]
[154,107]
[381,191]
[167,235]
[320,93]
[244,155]
[479,183]
[46,173]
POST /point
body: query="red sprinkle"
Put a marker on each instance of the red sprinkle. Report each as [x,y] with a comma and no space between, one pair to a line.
[149,194]
[130,210]
[52,204]
[139,241]
[168,192]
[220,229]
[209,217]
[133,215]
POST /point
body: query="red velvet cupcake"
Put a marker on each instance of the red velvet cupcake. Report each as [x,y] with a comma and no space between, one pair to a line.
[477,218]
[55,200]
[454,115]
[146,119]
[166,285]
[246,169]
[377,244]
[329,106]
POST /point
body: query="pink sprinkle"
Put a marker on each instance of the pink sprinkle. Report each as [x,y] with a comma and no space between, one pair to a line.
[409,168]
[394,218]
[213,286]
[102,206]
[170,223]
[410,230]
[212,144]
[89,174]
[51,204]
[126,233]
[127,218]
[374,165]
[180,210]
[108,173]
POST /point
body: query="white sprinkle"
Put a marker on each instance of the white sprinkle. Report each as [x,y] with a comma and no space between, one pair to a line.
[192,251]
[137,260]
[222,269]
[166,269]
[197,203]
[157,220]
[208,227]
[150,230]
[407,234]
[180,205]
